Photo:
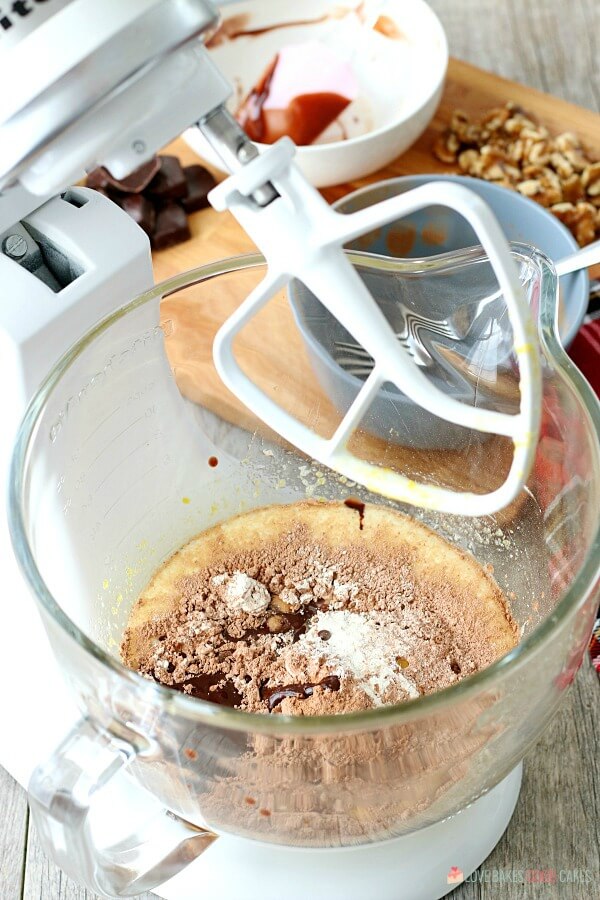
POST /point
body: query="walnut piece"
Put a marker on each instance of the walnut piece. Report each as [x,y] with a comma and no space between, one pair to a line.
[590,179]
[508,147]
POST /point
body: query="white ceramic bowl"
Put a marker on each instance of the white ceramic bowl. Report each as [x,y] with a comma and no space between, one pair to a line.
[400,76]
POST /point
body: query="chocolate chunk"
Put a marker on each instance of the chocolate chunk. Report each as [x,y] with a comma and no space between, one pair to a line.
[169,183]
[171,227]
[134,183]
[140,209]
[147,195]
[139,180]
[199,182]
[98,179]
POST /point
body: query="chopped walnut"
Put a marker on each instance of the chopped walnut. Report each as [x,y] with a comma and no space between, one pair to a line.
[567,141]
[446,148]
[470,162]
[561,165]
[590,179]
[495,119]
[508,147]
[581,218]
[530,188]
[585,224]
[572,188]
[539,153]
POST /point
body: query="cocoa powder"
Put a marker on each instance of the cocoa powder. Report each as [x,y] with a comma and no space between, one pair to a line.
[305,625]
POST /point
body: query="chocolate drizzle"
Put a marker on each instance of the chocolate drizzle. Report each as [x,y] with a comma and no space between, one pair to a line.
[294,621]
[304,119]
[237,26]
[359,506]
[214,688]
[250,115]
[276,694]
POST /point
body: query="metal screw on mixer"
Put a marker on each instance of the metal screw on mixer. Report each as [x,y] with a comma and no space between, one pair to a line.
[246,153]
[14,246]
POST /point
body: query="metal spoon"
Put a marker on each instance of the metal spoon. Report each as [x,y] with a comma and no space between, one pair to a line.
[580,259]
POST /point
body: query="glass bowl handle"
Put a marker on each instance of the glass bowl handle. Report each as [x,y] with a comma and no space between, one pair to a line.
[62,794]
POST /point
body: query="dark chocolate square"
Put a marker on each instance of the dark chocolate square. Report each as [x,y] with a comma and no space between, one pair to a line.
[169,183]
[140,209]
[134,183]
[199,183]
[171,227]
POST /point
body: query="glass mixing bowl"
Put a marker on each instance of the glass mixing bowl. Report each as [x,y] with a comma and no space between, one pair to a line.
[115,468]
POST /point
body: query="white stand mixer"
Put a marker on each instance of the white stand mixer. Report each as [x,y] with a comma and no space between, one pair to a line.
[110,83]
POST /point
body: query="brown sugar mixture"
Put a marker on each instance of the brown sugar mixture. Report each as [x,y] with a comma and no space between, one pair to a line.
[316,608]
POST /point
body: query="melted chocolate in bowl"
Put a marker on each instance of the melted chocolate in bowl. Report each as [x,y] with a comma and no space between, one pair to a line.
[304,118]
[307,115]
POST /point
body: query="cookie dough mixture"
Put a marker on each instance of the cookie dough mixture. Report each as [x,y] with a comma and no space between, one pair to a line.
[317,608]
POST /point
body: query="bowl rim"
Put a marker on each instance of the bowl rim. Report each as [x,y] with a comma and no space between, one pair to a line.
[440,58]
[579,281]
[199,711]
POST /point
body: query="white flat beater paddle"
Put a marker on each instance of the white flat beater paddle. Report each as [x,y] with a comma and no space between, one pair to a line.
[302,237]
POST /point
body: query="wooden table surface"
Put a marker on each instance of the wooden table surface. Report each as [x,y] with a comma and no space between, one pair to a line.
[552,45]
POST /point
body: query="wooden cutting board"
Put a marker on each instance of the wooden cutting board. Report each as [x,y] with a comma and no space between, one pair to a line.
[216,236]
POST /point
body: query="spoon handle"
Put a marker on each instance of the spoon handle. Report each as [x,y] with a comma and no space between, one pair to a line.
[581,259]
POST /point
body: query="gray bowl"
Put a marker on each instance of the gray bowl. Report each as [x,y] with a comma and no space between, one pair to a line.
[440,230]
[392,416]
[453,322]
